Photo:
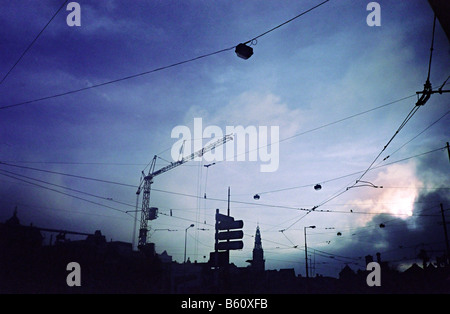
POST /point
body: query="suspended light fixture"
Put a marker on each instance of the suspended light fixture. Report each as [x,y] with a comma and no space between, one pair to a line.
[256,197]
[317,187]
[243,51]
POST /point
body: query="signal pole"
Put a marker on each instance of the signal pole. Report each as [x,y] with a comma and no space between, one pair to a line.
[306,252]
[445,233]
[228,209]
[448,151]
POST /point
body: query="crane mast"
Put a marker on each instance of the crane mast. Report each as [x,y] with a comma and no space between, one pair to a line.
[151,213]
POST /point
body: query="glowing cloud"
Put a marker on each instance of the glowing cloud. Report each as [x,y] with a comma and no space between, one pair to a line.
[400,190]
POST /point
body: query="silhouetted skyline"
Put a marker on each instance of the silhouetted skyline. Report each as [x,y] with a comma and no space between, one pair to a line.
[335,89]
[28,266]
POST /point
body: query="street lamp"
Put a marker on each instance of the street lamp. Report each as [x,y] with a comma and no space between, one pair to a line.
[243,51]
[185,240]
[306,251]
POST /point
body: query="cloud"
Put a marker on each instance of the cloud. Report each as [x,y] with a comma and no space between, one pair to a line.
[253,109]
[400,190]
[405,220]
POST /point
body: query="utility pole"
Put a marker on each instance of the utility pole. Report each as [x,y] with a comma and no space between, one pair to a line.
[306,252]
[228,208]
[448,151]
[185,241]
[445,233]
[226,280]
[306,257]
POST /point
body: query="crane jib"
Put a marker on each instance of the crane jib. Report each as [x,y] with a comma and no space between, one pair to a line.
[150,213]
[192,156]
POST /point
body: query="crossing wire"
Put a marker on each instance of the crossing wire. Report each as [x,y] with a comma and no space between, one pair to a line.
[156,69]
[32,43]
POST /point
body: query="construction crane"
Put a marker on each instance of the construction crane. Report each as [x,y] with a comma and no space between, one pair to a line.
[151,213]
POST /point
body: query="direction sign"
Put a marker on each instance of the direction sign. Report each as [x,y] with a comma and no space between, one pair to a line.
[231,245]
[226,225]
[229,235]
[221,217]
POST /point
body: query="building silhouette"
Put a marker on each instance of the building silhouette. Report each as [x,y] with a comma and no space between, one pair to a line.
[257,262]
[29,266]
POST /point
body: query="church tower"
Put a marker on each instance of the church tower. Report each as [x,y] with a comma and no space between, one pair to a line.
[258,253]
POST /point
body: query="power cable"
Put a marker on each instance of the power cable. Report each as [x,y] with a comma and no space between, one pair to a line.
[288,21]
[57,191]
[322,126]
[431,49]
[282,140]
[350,174]
[40,208]
[69,175]
[153,70]
[67,188]
[421,102]
[423,131]
[402,125]
[217,199]
[295,222]
[114,81]
[31,44]
[73,163]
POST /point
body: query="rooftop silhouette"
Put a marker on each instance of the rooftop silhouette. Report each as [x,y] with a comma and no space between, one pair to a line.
[29,266]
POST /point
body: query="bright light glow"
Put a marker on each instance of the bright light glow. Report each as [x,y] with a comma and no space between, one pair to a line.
[397,197]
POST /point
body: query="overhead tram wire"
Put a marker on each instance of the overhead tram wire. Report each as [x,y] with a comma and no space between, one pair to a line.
[405,121]
[156,69]
[217,199]
[274,205]
[288,21]
[421,102]
[147,164]
[318,252]
[63,193]
[32,43]
[68,175]
[323,126]
[109,206]
[135,186]
[44,209]
[67,188]
[337,194]
[73,163]
[114,81]
[349,186]
[344,119]
[282,231]
[350,174]
[416,136]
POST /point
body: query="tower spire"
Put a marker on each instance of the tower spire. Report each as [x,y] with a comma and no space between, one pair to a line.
[258,253]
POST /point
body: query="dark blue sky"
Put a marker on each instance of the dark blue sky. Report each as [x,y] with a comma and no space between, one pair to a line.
[314,78]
